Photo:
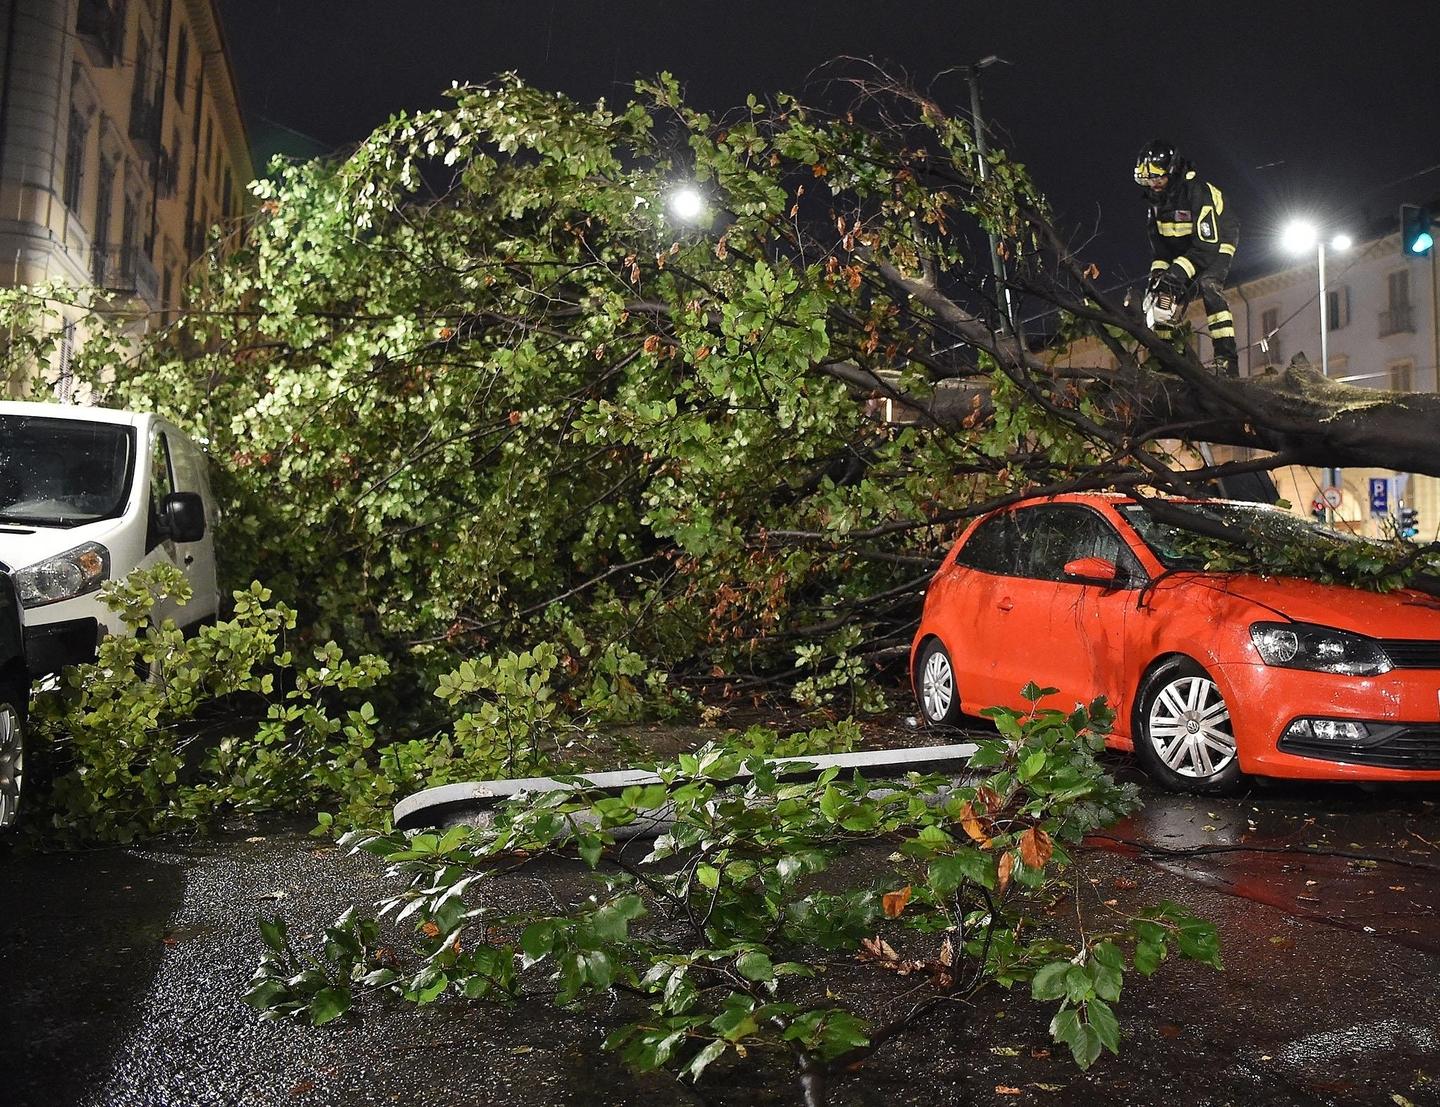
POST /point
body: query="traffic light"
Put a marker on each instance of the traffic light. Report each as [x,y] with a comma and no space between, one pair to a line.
[1409,522]
[1416,239]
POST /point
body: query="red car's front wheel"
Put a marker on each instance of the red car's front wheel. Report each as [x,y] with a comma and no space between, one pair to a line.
[1186,741]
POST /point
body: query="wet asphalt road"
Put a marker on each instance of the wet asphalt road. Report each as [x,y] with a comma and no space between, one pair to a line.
[122,972]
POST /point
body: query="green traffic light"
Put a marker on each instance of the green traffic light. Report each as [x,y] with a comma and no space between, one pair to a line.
[1416,239]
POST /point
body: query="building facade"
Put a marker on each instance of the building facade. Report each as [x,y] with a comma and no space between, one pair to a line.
[1383,316]
[1383,332]
[121,147]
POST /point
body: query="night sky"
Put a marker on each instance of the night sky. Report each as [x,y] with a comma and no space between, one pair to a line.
[1317,108]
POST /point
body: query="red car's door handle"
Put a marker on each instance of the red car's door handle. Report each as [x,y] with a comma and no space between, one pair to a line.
[1006,604]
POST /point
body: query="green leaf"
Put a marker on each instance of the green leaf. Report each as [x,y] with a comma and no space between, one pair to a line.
[1078,985]
[328,1004]
[1049,982]
[537,941]
[946,874]
[1082,1039]
[273,931]
[1148,956]
[704,1058]
[755,965]
[1100,1015]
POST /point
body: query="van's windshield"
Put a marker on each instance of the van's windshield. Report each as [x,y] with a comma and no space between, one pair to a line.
[63,472]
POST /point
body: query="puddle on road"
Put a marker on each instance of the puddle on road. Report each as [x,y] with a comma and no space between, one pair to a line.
[1290,861]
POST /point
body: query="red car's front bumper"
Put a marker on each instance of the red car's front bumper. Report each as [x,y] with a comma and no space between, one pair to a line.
[1405,703]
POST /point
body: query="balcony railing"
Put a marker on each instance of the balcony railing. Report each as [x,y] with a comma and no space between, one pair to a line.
[98,31]
[125,269]
[1398,320]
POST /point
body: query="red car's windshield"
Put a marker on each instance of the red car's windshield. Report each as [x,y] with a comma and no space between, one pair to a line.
[1175,546]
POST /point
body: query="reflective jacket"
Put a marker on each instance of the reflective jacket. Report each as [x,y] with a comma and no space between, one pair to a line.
[1191,226]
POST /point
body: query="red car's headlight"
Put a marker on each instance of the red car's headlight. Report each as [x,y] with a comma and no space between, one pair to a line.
[1319,649]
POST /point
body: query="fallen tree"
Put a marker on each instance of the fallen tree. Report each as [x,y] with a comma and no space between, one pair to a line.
[475,387]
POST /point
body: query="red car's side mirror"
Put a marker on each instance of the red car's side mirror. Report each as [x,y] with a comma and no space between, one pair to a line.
[1092,570]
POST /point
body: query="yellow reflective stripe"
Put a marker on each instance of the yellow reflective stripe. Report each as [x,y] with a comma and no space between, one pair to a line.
[1159,263]
[1205,229]
[1228,249]
[1186,264]
[1175,230]
[1222,332]
[1217,199]
[1190,176]
[1220,317]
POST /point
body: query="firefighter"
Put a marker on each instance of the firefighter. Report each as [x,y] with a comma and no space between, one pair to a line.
[1192,235]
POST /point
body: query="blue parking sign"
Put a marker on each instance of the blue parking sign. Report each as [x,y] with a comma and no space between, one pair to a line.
[1379,496]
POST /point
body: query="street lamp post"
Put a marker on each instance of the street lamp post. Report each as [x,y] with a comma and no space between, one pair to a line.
[1008,321]
[1298,238]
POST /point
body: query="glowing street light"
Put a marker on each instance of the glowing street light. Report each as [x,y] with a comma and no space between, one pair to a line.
[686,204]
[1299,237]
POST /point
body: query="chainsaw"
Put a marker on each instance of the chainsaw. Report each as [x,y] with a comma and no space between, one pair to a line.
[1161,309]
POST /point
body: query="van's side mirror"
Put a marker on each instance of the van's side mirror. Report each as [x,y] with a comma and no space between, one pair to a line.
[1093,570]
[183,517]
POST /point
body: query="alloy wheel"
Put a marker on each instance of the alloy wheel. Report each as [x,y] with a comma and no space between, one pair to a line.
[12,764]
[1189,727]
[937,686]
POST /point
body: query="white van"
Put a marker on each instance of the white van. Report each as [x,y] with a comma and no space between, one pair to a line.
[86,495]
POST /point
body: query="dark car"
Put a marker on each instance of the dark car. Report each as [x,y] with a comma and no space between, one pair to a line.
[14,699]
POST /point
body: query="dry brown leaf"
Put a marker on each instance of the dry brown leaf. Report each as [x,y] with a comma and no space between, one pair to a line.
[972,825]
[894,902]
[1007,865]
[1035,848]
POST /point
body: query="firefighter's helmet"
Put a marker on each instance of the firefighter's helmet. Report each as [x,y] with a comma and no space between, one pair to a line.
[1157,159]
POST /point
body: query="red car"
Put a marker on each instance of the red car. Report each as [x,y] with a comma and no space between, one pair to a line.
[1213,675]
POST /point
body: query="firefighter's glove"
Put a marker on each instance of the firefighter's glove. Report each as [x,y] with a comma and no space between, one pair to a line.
[1169,282]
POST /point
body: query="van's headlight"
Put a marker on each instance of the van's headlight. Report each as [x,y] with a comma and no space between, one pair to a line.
[64,576]
[1320,649]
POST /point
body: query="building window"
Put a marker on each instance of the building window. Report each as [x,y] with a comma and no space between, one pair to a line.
[1396,318]
[75,160]
[128,227]
[142,69]
[182,67]
[1269,345]
[1402,376]
[100,242]
[1337,308]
